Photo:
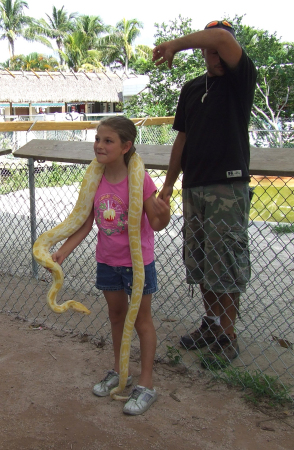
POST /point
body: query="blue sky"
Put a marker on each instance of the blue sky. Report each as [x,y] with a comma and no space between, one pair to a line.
[271,16]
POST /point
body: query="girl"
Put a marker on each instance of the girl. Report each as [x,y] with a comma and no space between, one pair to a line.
[113,147]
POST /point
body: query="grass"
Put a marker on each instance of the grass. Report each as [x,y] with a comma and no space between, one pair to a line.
[259,387]
[273,204]
[49,176]
[173,355]
[284,228]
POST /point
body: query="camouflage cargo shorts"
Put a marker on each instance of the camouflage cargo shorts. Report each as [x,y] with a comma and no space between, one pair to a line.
[215,251]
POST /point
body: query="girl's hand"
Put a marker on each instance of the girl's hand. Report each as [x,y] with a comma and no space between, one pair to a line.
[73,241]
[58,257]
[161,206]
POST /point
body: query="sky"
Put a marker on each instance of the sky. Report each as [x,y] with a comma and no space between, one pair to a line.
[272,16]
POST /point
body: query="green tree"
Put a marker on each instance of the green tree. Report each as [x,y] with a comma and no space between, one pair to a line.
[81,50]
[36,61]
[57,27]
[118,44]
[141,59]
[77,44]
[274,96]
[92,27]
[77,55]
[13,21]
[165,84]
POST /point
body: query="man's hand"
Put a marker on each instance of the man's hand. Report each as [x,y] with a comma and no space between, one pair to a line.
[165,193]
[166,51]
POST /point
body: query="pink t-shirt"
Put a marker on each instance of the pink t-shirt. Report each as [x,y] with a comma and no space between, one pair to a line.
[111,205]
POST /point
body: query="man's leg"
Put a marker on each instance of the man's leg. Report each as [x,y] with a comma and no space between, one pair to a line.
[227,264]
[194,257]
[210,327]
[224,307]
[225,348]
[211,303]
[227,313]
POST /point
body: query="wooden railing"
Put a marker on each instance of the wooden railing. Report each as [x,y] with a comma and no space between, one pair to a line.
[74,125]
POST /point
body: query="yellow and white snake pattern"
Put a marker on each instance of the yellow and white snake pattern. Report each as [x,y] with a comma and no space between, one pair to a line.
[73,223]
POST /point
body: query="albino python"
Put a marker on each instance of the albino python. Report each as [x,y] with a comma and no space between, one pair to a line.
[73,223]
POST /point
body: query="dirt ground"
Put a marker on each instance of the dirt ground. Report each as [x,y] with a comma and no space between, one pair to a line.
[46,402]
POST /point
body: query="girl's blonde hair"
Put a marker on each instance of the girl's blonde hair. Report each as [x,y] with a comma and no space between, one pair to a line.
[125,129]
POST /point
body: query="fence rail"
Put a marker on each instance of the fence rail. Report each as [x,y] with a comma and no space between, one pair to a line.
[40,192]
[39,125]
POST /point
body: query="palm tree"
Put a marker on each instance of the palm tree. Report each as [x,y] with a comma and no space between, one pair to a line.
[77,55]
[91,27]
[80,48]
[39,62]
[58,26]
[13,21]
[34,60]
[143,51]
[118,45]
[142,59]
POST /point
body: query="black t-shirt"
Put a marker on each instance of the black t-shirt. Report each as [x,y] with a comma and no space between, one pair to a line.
[217,146]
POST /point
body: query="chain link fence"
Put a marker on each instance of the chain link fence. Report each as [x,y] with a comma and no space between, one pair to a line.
[265,327]
[261,134]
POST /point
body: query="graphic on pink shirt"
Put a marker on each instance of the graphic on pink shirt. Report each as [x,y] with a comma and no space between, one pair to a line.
[111,214]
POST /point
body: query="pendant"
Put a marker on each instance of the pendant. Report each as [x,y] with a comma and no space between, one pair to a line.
[203,97]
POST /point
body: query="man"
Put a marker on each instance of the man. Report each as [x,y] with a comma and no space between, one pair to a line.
[212,149]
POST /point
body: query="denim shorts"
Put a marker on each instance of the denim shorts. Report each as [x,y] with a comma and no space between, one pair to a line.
[216,252]
[117,278]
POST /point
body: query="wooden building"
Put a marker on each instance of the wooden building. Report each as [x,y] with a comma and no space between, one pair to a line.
[30,93]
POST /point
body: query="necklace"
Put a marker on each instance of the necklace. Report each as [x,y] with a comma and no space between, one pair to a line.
[206,93]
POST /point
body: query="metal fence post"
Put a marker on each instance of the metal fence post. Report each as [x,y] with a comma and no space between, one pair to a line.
[33,212]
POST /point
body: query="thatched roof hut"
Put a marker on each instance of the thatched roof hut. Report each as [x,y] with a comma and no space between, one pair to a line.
[66,87]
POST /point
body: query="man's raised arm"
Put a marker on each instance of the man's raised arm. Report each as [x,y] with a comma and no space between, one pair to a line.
[216,39]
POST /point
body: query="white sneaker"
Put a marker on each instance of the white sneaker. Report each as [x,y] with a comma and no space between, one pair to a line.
[110,381]
[140,400]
